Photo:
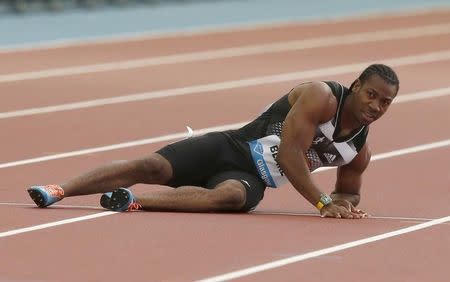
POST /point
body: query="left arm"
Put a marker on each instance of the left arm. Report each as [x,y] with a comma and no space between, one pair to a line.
[349,178]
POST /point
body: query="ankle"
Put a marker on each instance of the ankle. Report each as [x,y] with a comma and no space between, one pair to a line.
[56,190]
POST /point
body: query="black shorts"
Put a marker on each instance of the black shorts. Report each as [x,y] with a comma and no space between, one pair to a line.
[210,159]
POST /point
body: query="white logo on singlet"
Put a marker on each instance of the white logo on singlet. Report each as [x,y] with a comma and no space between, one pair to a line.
[318,140]
[330,157]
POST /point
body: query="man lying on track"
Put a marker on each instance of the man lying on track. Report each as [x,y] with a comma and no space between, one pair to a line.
[316,124]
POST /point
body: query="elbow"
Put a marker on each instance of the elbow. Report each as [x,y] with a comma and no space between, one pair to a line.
[288,157]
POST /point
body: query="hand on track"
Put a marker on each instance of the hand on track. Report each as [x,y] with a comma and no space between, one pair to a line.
[342,209]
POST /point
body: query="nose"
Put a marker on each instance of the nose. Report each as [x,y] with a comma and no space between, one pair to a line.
[375,106]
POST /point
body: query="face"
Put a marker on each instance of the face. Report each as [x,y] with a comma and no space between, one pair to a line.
[372,99]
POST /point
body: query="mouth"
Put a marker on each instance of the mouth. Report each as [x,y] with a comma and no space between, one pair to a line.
[368,118]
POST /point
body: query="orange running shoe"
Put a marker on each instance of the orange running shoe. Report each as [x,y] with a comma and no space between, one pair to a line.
[45,195]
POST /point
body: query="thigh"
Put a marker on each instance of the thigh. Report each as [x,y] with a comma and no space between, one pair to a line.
[254,187]
[193,160]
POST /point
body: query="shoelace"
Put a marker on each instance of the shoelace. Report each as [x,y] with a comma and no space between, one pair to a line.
[134,206]
[55,190]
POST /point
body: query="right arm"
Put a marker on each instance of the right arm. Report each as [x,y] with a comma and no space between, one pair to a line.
[315,104]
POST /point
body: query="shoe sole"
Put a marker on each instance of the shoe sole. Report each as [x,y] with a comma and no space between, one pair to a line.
[36,196]
[119,201]
[105,200]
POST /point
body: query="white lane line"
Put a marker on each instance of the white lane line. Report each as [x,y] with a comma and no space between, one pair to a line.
[53,224]
[405,151]
[120,145]
[428,94]
[401,218]
[376,157]
[53,206]
[402,99]
[414,149]
[396,218]
[318,215]
[255,81]
[210,29]
[337,40]
[282,262]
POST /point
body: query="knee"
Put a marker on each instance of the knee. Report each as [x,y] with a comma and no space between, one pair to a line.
[154,169]
[229,195]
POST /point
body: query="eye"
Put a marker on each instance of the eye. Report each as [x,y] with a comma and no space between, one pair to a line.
[371,94]
[385,103]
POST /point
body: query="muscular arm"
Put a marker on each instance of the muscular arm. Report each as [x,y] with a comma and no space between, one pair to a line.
[349,177]
[314,105]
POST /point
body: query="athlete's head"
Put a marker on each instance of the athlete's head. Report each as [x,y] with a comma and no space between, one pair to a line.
[373,92]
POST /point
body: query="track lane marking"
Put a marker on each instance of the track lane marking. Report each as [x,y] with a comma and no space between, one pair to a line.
[399,218]
[423,58]
[118,146]
[53,206]
[295,45]
[212,29]
[396,153]
[400,152]
[302,257]
[401,99]
[54,223]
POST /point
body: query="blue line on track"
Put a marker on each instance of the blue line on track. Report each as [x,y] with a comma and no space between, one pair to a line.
[36,28]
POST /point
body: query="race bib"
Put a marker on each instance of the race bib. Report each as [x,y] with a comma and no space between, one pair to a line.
[264,153]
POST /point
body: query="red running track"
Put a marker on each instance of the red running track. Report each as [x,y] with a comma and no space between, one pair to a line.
[399,191]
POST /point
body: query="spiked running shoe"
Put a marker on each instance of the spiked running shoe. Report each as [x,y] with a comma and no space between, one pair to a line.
[45,195]
[120,200]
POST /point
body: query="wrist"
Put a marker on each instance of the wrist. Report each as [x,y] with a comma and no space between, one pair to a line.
[352,198]
[324,200]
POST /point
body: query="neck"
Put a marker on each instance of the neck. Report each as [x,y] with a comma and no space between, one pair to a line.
[348,122]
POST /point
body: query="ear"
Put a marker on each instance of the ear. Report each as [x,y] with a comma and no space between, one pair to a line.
[356,85]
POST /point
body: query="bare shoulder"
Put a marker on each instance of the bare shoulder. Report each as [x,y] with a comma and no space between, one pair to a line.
[315,96]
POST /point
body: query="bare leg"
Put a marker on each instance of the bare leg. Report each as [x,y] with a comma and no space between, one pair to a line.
[227,196]
[153,169]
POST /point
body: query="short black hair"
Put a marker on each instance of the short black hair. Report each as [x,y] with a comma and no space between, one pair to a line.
[383,71]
